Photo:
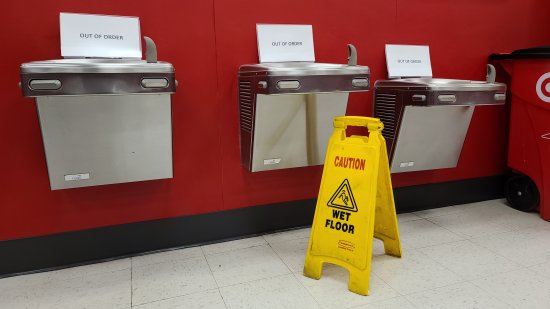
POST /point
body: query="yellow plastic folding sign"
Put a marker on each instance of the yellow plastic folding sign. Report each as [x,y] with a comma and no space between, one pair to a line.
[355,204]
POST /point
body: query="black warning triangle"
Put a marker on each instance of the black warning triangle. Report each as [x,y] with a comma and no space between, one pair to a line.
[343,198]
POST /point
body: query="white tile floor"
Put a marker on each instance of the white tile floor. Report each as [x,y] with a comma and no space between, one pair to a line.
[481,255]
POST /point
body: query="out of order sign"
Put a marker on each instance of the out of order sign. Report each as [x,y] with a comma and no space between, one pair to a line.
[89,35]
[355,204]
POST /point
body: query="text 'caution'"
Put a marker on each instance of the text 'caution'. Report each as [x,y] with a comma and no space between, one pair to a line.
[345,162]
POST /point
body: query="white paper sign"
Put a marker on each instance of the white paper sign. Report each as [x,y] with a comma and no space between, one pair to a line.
[280,43]
[86,35]
[408,61]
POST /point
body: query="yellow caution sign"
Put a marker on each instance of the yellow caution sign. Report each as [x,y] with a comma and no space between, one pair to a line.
[355,204]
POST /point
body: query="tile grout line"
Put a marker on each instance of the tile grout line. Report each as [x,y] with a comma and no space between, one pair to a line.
[405,294]
[381,279]
[461,238]
[499,255]
[383,300]
[231,250]
[498,274]
[490,275]
[438,263]
[501,224]
[246,282]
[284,241]
[223,299]
[432,289]
[210,269]
[294,274]
[280,258]
[439,244]
[463,280]
[489,292]
[214,277]
[283,232]
[472,237]
[409,301]
[465,236]
[454,233]
[172,297]
[131,282]
[539,264]
[185,294]
[307,290]
[220,287]
[441,215]
[174,259]
[411,220]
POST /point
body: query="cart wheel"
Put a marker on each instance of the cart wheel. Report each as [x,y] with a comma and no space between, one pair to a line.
[522,193]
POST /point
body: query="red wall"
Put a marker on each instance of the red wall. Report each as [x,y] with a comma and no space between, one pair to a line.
[207,41]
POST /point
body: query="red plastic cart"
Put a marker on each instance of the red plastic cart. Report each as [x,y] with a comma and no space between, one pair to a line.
[529,138]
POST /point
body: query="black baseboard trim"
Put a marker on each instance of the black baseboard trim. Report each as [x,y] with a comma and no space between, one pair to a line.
[435,195]
[99,244]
